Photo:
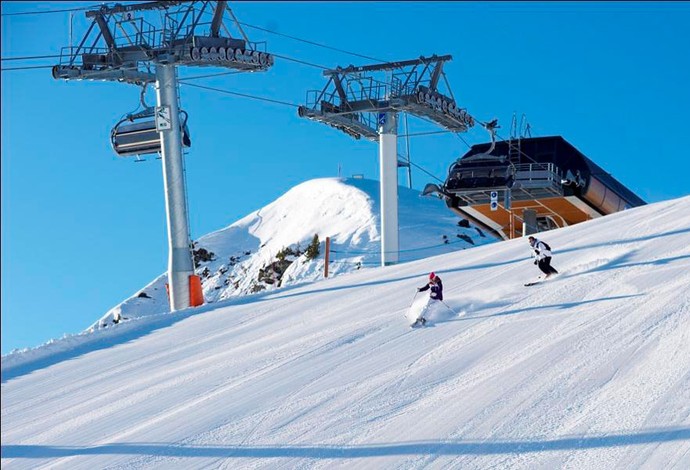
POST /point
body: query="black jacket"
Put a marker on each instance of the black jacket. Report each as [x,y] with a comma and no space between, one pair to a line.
[436,289]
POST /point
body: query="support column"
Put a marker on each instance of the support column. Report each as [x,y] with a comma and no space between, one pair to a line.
[180,260]
[529,222]
[388,160]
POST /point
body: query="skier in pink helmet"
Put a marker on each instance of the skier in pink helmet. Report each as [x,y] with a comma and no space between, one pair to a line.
[435,285]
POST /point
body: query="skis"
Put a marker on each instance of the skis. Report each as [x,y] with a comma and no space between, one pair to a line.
[540,280]
[418,322]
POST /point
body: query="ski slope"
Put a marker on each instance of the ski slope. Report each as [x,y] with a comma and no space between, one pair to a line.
[590,370]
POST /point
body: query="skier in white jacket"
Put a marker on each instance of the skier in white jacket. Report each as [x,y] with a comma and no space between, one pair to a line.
[542,254]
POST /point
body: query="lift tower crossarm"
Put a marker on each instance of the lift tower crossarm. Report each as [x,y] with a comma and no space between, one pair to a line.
[353,105]
[129,8]
[387,65]
[362,106]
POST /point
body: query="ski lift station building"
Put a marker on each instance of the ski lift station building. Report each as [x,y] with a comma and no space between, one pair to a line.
[520,186]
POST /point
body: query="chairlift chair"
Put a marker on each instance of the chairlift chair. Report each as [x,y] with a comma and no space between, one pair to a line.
[137,135]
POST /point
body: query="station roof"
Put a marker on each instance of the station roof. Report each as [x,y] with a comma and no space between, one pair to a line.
[557,150]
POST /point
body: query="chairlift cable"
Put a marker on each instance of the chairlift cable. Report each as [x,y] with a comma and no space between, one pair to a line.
[209,75]
[427,172]
[463,140]
[314,43]
[244,95]
[446,131]
[295,106]
[279,56]
[419,134]
[306,41]
[32,57]
[9,69]
[41,12]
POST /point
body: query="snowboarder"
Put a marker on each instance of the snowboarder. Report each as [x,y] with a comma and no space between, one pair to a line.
[541,252]
[436,294]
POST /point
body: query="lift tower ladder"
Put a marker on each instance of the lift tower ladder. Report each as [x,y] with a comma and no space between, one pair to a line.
[365,101]
[145,43]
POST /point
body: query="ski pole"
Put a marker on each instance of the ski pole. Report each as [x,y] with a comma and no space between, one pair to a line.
[408,308]
[453,311]
[415,296]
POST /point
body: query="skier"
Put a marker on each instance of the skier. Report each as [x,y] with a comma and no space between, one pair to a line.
[541,252]
[436,294]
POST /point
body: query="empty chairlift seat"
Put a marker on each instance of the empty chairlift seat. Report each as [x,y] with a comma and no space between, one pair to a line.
[141,138]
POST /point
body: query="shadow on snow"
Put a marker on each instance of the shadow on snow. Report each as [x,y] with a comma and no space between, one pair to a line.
[565,305]
[479,447]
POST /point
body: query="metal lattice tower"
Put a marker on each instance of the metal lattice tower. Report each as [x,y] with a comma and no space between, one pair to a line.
[145,43]
[365,102]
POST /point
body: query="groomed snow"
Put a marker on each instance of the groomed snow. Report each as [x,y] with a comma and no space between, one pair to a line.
[590,370]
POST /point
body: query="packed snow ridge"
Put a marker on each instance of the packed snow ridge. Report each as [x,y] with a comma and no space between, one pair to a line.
[588,370]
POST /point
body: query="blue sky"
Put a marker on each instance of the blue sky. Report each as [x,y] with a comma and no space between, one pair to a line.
[83,229]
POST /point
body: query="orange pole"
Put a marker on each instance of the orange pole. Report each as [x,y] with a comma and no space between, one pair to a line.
[328,251]
[196,293]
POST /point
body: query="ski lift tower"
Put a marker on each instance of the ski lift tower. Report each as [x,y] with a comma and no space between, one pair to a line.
[361,103]
[123,44]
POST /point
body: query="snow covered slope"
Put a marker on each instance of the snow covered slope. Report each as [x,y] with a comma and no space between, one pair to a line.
[247,254]
[590,370]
